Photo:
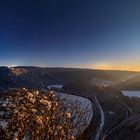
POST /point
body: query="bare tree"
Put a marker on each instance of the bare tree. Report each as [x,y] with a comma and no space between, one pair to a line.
[35,115]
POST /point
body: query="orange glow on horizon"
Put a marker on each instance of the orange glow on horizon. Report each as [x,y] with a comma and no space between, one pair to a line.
[131,66]
[107,66]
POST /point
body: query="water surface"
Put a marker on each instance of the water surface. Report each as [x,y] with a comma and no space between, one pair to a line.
[131,93]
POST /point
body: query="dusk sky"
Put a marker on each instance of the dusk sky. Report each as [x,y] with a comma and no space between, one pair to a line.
[102,34]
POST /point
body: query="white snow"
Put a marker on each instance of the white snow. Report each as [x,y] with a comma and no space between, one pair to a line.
[3,123]
[55,86]
[111,112]
[85,105]
[1,113]
[131,93]
[84,102]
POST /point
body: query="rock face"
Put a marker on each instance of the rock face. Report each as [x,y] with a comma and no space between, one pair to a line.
[18,71]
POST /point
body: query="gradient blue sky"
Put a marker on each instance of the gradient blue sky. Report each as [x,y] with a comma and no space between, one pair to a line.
[103,34]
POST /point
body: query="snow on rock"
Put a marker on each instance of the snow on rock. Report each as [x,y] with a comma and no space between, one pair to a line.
[3,124]
[1,113]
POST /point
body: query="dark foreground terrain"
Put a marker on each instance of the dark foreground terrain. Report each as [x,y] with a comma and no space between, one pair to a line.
[117,117]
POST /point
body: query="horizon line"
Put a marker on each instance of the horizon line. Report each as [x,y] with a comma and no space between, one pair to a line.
[68,67]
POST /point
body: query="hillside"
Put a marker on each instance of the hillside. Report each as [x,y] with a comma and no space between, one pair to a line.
[36,77]
[130,130]
[131,84]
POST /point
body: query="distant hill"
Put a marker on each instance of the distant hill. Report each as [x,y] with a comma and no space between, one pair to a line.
[131,84]
[80,86]
[37,77]
[6,77]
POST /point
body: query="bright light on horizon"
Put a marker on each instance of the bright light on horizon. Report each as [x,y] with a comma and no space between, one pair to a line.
[12,65]
[116,66]
[99,66]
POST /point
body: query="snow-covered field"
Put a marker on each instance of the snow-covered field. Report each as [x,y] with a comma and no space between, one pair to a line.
[85,105]
[131,93]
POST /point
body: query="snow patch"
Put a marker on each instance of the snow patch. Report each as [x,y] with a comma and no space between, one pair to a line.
[55,86]
[3,124]
[111,112]
[131,93]
[85,104]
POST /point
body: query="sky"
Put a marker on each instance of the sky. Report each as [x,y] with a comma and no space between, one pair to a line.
[97,34]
